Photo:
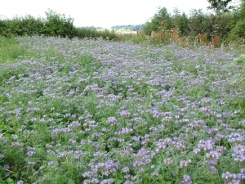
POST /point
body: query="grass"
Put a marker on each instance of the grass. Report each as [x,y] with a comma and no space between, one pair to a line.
[97,111]
[10,50]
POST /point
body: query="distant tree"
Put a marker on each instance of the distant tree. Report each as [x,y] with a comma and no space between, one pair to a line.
[180,21]
[160,21]
[220,6]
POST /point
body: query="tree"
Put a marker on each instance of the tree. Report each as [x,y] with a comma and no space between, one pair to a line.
[59,25]
[238,30]
[220,6]
[160,22]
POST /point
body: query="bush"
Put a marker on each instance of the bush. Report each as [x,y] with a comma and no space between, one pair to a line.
[198,23]
[238,29]
[3,28]
[20,26]
[58,25]
[93,33]
[181,22]
[31,26]
[54,25]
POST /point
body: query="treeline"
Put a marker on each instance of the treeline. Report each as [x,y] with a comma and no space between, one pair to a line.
[53,25]
[225,26]
[163,27]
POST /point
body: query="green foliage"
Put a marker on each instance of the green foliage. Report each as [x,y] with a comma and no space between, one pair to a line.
[3,27]
[93,33]
[197,22]
[20,26]
[83,103]
[161,20]
[222,25]
[238,81]
[219,25]
[10,50]
[238,30]
[180,21]
[209,24]
[220,5]
[53,25]
[148,28]
[59,25]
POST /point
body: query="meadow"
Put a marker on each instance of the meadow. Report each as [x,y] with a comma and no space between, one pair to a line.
[98,111]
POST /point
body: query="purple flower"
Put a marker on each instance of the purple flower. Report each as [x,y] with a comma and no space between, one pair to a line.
[206,145]
[213,169]
[31,151]
[93,180]
[125,170]
[168,161]
[186,180]
[184,163]
[213,154]
[128,182]
[141,170]
[107,181]
[212,162]
[138,163]
[239,153]
[125,113]
[1,155]
[197,150]
[111,120]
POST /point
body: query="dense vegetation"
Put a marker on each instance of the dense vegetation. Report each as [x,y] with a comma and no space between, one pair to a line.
[53,25]
[96,111]
[225,27]
[77,107]
[199,27]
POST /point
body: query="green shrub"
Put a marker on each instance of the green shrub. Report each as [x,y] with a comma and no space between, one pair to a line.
[10,50]
[3,28]
[238,31]
[58,25]
[198,23]
[93,33]
[161,21]
[212,26]
[20,26]
[180,21]
[31,26]
[54,25]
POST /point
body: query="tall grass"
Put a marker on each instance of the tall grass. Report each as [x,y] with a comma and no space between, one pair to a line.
[11,50]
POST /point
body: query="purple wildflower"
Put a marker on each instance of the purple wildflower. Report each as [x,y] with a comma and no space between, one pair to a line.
[184,163]
[186,180]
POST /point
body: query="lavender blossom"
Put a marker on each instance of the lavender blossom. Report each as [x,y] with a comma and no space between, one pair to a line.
[186,180]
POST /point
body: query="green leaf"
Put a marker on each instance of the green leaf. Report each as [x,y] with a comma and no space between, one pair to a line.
[10,181]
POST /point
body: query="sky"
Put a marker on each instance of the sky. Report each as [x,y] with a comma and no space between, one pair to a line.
[98,13]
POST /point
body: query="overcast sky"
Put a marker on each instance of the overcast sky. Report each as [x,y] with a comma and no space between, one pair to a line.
[98,13]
